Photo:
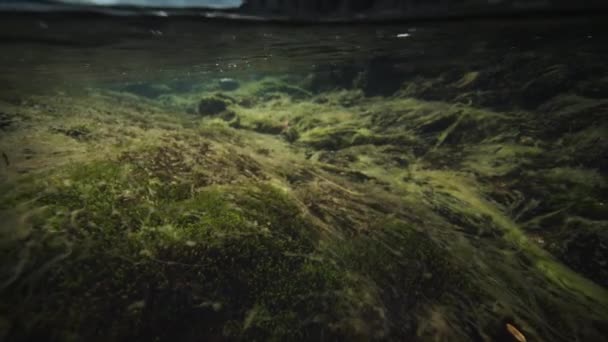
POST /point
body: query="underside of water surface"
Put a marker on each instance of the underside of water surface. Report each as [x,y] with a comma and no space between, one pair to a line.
[175,180]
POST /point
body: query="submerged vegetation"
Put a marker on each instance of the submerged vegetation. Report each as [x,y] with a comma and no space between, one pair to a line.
[352,203]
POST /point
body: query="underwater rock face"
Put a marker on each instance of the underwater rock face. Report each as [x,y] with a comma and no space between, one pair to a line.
[211,106]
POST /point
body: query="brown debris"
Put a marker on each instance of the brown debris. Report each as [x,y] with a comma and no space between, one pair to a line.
[515,332]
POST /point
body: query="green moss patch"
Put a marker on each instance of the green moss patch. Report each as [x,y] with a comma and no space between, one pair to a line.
[149,263]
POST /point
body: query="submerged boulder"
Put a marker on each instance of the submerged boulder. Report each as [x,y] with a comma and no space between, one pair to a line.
[228,84]
[212,105]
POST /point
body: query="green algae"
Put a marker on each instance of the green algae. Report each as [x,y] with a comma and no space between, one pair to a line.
[553,270]
[304,217]
[233,247]
[407,266]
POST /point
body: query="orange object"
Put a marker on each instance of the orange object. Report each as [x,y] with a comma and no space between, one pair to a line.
[516,333]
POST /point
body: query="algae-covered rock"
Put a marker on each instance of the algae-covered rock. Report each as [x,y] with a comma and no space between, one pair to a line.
[212,105]
[228,84]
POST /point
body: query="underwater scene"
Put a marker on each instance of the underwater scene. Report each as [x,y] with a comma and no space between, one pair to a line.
[197,180]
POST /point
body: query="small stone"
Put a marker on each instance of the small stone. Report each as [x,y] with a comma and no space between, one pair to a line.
[229,84]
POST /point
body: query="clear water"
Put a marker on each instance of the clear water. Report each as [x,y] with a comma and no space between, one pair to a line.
[173,179]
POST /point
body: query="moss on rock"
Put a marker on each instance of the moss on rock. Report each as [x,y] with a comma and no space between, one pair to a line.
[212,105]
[232,261]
